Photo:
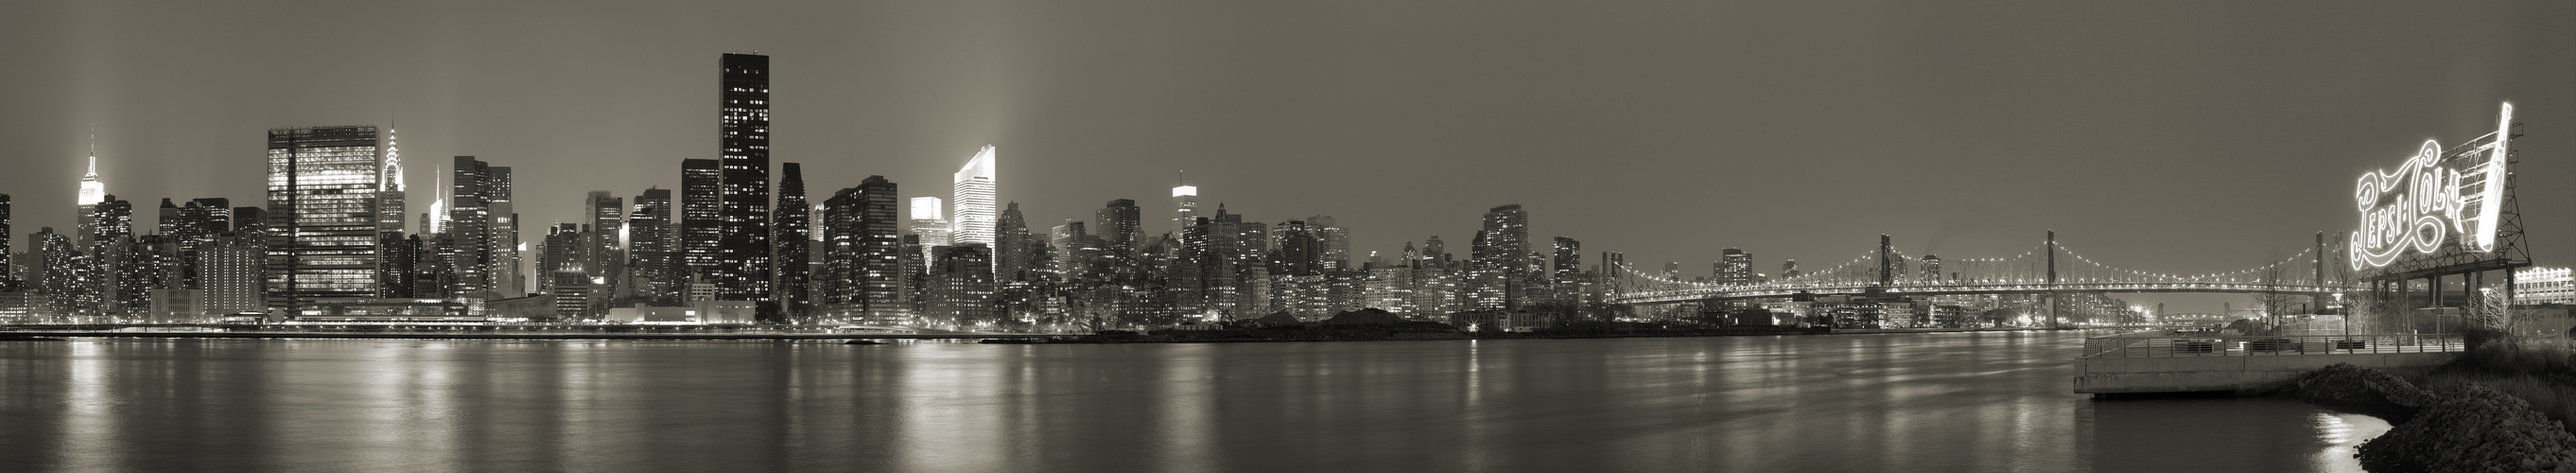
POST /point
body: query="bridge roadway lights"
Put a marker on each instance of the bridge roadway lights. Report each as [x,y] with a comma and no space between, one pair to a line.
[1699,294]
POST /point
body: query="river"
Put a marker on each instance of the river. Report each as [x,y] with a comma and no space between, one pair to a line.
[1903,402]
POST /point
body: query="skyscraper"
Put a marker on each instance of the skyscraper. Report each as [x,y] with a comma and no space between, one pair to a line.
[479,256]
[111,236]
[1332,243]
[229,269]
[1077,251]
[397,270]
[7,272]
[971,220]
[701,212]
[389,191]
[55,270]
[1011,245]
[928,223]
[961,285]
[322,203]
[741,270]
[1569,259]
[1116,224]
[1299,252]
[1788,269]
[1185,206]
[1735,266]
[508,273]
[603,247]
[792,236]
[864,276]
[1507,238]
[92,192]
[649,244]
[1931,270]
[561,272]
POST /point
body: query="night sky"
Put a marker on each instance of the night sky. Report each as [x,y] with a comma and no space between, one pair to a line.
[2179,137]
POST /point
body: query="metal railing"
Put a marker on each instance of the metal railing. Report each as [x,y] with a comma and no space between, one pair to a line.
[2136,346]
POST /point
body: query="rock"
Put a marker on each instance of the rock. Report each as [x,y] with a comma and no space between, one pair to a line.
[2472,429]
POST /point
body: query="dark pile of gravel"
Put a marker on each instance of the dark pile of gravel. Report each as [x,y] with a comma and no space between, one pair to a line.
[2472,429]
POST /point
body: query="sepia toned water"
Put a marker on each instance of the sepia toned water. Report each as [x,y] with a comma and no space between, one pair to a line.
[1914,402]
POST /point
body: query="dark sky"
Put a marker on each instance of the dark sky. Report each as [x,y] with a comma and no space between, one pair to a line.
[2181,137]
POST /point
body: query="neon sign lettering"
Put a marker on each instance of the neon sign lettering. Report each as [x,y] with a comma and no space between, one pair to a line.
[2433,198]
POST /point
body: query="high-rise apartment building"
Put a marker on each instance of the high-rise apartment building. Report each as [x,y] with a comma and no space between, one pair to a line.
[399,268]
[7,259]
[701,212]
[1116,223]
[1569,259]
[971,217]
[229,270]
[1077,251]
[603,247]
[649,243]
[322,205]
[564,277]
[483,251]
[742,266]
[1011,242]
[864,275]
[961,285]
[54,270]
[196,225]
[1297,252]
[1734,266]
[1332,243]
[1506,238]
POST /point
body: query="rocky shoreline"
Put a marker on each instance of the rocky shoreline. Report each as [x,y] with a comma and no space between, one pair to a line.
[2470,429]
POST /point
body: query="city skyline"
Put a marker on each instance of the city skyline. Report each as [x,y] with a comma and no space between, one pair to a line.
[1404,192]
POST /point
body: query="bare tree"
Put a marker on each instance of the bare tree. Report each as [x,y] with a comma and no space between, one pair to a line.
[2268,279]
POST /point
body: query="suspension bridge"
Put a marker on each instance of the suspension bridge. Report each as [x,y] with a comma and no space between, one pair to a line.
[2046,268]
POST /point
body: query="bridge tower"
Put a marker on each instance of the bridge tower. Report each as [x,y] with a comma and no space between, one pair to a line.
[2052,279]
[1886,274]
[2319,300]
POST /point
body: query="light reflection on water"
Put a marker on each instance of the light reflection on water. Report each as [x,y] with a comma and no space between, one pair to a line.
[1926,402]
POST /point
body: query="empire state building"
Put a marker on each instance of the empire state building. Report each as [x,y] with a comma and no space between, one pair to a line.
[92,192]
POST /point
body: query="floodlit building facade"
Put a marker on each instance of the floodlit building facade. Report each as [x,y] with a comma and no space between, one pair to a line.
[972,217]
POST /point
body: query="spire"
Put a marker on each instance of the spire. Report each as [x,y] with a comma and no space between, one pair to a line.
[92,191]
[438,207]
[392,178]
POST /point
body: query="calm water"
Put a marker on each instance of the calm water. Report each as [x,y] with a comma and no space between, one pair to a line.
[1921,402]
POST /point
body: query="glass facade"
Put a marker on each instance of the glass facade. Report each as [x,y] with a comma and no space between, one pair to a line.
[322,200]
